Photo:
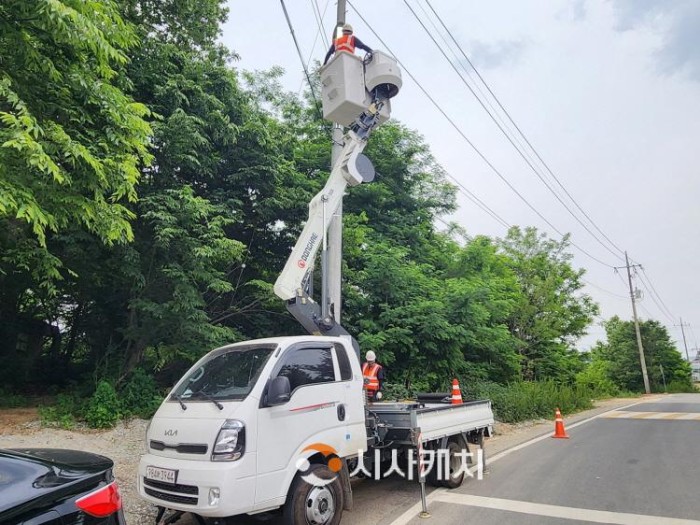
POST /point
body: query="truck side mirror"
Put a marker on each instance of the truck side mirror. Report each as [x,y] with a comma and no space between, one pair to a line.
[279,391]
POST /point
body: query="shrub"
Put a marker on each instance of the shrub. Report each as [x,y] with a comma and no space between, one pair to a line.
[395,391]
[140,396]
[9,400]
[596,377]
[103,409]
[680,387]
[530,400]
[62,413]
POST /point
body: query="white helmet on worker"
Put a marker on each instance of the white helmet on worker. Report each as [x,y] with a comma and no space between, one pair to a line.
[370,356]
[347,28]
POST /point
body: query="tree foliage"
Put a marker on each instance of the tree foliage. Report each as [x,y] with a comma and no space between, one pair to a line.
[71,139]
[226,163]
[620,357]
[552,311]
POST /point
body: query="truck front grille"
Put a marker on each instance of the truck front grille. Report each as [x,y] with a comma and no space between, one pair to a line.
[182,489]
[181,448]
[176,493]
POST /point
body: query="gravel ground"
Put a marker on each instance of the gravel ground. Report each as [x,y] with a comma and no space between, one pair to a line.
[125,443]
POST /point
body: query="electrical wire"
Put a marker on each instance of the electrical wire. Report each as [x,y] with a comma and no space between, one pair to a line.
[319,20]
[667,310]
[695,339]
[506,134]
[471,144]
[606,291]
[470,195]
[663,312]
[301,58]
[321,32]
[520,132]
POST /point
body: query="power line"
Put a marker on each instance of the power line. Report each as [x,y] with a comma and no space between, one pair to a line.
[469,194]
[668,311]
[606,291]
[301,58]
[695,339]
[647,311]
[506,133]
[521,132]
[321,30]
[663,312]
[319,20]
[471,144]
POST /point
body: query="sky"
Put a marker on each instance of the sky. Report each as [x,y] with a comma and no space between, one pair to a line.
[607,91]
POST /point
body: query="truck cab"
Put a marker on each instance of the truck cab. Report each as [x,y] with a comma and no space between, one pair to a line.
[247,419]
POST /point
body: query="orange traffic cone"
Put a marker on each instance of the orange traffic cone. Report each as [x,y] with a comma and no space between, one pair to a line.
[456,394]
[559,430]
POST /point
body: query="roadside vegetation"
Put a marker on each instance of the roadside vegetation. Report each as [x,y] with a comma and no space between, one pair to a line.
[150,192]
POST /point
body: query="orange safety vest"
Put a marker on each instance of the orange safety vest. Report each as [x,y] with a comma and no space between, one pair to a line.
[371,372]
[345,43]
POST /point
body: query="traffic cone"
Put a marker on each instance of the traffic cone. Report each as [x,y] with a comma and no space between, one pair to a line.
[559,430]
[456,394]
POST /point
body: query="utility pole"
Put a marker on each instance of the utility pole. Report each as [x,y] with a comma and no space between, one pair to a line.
[335,231]
[663,376]
[642,361]
[685,344]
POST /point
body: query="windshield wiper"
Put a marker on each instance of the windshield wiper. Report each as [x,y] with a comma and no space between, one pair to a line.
[182,404]
[207,396]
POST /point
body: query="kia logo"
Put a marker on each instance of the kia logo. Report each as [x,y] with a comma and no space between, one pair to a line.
[171,432]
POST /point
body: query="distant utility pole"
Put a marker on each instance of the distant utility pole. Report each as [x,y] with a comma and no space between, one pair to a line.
[636,324]
[684,342]
[663,376]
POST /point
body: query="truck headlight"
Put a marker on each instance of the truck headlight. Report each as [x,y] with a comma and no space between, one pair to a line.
[230,443]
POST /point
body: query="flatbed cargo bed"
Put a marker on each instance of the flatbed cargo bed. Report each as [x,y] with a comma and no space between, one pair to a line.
[410,422]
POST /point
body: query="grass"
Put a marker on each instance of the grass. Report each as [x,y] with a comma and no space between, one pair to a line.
[532,400]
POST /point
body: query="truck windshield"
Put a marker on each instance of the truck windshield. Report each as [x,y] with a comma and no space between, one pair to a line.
[229,374]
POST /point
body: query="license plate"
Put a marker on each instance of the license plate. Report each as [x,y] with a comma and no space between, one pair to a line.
[161,474]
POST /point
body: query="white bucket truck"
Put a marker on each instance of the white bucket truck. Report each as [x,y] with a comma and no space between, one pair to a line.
[283,422]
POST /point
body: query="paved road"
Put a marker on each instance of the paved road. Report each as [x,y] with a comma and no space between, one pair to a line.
[635,466]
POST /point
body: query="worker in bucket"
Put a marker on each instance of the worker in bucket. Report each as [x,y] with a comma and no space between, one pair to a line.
[346,42]
[373,373]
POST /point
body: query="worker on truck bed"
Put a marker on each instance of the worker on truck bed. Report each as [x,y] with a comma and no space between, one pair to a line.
[345,42]
[373,373]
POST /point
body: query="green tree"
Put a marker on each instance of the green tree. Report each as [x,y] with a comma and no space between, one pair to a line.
[552,312]
[621,354]
[71,139]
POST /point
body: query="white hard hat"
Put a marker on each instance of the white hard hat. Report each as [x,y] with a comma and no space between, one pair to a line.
[347,27]
[371,356]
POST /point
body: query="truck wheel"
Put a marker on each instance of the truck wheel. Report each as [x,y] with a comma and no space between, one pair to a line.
[309,504]
[455,477]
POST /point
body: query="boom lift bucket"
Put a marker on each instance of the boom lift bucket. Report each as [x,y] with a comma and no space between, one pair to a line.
[348,86]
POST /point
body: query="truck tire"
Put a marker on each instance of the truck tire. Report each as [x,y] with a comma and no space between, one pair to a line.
[309,504]
[456,475]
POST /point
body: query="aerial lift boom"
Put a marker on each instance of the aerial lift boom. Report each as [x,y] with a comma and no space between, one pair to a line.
[380,81]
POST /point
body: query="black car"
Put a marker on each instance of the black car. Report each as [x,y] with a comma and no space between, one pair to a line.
[44,486]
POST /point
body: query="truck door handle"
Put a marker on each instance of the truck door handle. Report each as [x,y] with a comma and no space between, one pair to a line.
[341,412]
